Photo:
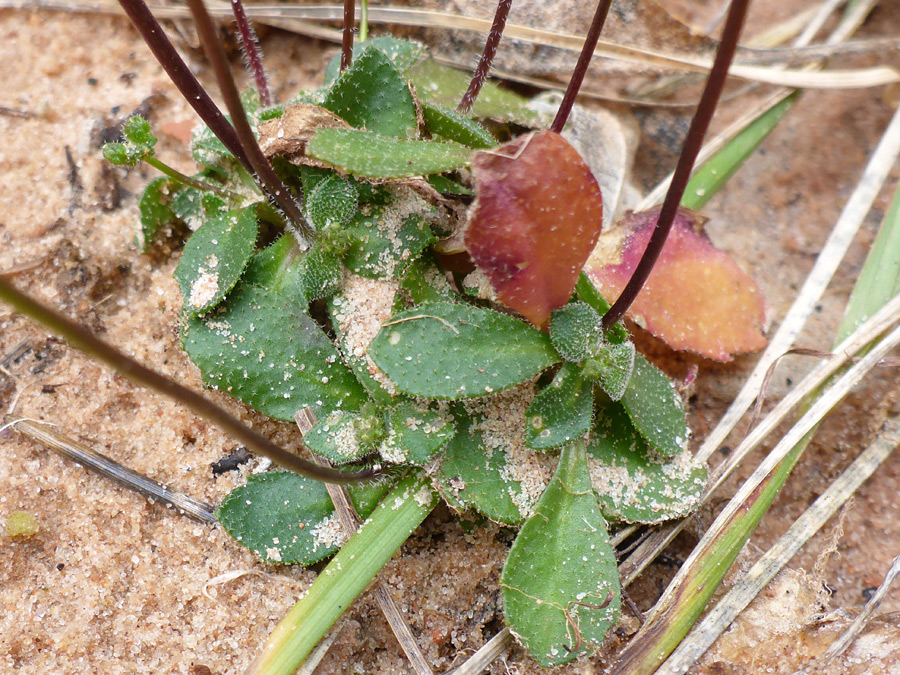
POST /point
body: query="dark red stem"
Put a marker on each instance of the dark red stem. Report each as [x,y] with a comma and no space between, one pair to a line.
[82,339]
[183,79]
[584,60]
[347,34]
[265,174]
[699,125]
[251,51]
[487,57]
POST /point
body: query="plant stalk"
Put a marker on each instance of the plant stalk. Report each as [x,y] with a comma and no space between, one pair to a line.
[347,34]
[252,52]
[83,340]
[487,57]
[692,144]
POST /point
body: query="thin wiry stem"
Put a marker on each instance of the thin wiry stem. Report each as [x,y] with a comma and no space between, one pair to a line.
[263,170]
[487,57]
[251,51]
[584,60]
[347,34]
[699,125]
[183,79]
[82,339]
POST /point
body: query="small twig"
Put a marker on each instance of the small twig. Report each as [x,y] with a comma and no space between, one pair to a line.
[487,57]
[269,180]
[484,657]
[250,44]
[584,60]
[351,522]
[14,112]
[764,387]
[692,144]
[108,468]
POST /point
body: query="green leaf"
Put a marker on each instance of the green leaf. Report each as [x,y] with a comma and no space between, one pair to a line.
[449,350]
[344,436]
[633,483]
[262,348]
[332,202]
[561,412]
[402,53]
[415,434]
[612,367]
[320,273]
[424,281]
[440,85]
[451,125]
[156,211]
[194,207]
[384,240]
[348,575]
[136,133]
[286,518]
[214,258]
[473,476]
[447,186]
[372,94]
[117,153]
[656,409]
[372,156]
[586,292]
[576,331]
[560,584]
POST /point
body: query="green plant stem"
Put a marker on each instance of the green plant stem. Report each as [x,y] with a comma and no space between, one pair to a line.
[83,340]
[363,20]
[347,575]
[179,177]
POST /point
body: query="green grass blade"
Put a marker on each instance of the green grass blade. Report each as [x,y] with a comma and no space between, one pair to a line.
[709,178]
[347,575]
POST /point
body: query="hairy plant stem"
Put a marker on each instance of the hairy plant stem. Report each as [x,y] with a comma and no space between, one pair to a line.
[692,144]
[181,76]
[262,168]
[83,340]
[179,177]
[251,51]
[584,60]
[347,34]
[487,57]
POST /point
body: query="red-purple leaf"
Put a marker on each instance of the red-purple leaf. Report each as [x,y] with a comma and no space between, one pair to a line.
[697,297]
[535,220]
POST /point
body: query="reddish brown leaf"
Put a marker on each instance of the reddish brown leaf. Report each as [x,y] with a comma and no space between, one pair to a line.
[697,297]
[535,220]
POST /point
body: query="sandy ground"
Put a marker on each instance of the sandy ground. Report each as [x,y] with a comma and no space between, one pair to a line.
[114,584]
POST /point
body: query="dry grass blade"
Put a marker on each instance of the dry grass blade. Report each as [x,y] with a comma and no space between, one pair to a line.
[734,602]
[826,265]
[351,522]
[402,16]
[108,468]
[484,657]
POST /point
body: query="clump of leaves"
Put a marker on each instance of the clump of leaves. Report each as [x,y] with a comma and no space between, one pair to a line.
[505,386]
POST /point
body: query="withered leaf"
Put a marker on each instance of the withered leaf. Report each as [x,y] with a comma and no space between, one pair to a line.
[537,215]
[697,298]
[289,134]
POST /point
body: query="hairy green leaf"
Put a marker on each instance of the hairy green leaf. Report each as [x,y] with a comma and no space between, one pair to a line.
[560,584]
[402,53]
[214,258]
[372,94]
[656,409]
[576,331]
[612,367]
[262,348]
[450,350]
[415,434]
[286,518]
[561,412]
[156,211]
[451,125]
[332,202]
[633,483]
[372,156]
[344,436]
